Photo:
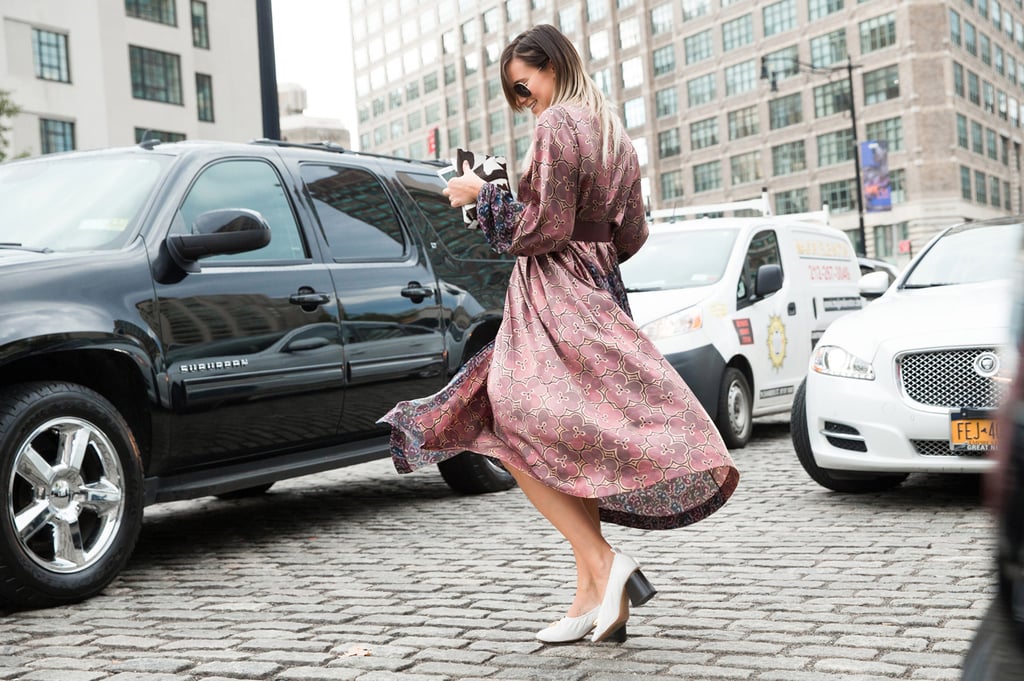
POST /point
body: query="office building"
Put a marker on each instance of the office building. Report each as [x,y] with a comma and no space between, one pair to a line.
[724,97]
[98,73]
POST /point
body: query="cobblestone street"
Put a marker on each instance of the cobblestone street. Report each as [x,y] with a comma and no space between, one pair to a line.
[363,574]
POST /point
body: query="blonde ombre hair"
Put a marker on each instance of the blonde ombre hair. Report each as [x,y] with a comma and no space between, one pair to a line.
[545,45]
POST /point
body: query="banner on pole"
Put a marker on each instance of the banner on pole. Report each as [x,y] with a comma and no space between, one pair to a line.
[874,163]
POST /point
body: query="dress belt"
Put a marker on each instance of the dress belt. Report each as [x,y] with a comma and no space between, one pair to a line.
[592,231]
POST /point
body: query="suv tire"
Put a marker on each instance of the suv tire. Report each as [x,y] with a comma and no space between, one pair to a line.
[71,491]
[469,473]
[838,481]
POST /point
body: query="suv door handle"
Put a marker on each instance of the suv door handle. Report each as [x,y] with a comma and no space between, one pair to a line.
[417,292]
[308,299]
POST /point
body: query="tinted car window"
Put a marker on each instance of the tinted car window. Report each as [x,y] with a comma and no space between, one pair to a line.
[459,242]
[357,218]
[763,250]
[245,183]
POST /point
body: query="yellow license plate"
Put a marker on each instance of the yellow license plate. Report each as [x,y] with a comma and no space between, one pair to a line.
[972,433]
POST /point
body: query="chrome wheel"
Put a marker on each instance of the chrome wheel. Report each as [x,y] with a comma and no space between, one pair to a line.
[66,497]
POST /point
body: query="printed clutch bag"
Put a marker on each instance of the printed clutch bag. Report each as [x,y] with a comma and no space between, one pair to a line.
[493,169]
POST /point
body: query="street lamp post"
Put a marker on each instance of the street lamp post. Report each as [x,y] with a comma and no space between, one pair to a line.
[770,76]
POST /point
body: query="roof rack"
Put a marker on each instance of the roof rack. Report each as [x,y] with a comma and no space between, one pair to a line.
[337,148]
[761,204]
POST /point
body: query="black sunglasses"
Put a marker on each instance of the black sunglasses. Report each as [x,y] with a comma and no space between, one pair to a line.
[521,89]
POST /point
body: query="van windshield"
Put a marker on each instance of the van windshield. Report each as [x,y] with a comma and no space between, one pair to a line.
[679,259]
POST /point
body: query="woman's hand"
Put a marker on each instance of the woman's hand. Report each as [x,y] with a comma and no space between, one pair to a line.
[463,189]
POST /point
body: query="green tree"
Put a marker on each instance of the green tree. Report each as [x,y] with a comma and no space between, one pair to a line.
[8,109]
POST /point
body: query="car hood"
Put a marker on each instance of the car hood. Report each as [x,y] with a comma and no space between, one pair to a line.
[960,315]
[648,306]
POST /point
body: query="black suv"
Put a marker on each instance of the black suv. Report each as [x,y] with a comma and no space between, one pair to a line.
[200,318]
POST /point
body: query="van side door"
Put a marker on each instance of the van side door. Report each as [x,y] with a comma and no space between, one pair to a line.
[772,323]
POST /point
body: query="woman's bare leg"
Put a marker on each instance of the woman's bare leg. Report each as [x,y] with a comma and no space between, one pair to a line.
[575,519]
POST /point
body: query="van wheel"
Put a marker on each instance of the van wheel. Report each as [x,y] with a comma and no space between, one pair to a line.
[469,473]
[837,481]
[70,493]
[735,419]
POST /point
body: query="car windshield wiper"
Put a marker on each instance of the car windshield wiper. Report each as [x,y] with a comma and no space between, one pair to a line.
[932,285]
[18,247]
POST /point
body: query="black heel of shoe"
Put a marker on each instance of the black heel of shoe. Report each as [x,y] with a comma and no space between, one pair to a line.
[639,589]
[618,636]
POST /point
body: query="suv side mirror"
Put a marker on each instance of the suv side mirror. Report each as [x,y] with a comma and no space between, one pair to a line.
[874,284]
[219,232]
[769,280]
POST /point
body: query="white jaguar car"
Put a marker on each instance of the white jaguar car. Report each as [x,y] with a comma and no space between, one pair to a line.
[911,382]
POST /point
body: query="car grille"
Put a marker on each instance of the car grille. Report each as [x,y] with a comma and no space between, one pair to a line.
[941,448]
[946,378]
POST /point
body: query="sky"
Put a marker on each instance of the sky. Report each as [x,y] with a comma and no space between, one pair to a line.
[312,48]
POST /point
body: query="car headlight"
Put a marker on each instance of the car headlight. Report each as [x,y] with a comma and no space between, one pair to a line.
[675,324]
[832,360]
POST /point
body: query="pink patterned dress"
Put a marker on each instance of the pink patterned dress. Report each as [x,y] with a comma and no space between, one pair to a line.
[571,391]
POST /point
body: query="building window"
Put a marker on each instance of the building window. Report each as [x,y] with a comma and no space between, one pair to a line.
[779,17]
[449,74]
[454,137]
[430,82]
[986,49]
[666,102]
[741,77]
[958,79]
[737,33]
[629,33]
[698,47]
[156,75]
[200,26]
[661,19]
[664,59]
[816,9]
[161,11]
[398,129]
[704,133]
[835,147]
[970,38]
[634,113]
[707,176]
[890,130]
[993,191]
[954,27]
[599,45]
[789,158]
[828,49]
[840,196]
[597,9]
[784,111]
[496,122]
[881,85]
[991,148]
[470,32]
[831,98]
[474,130]
[792,201]
[973,88]
[603,78]
[568,21]
[633,72]
[965,183]
[783,64]
[701,90]
[745,167]
[204,97]
[977,137]
[743,122]
[56,136]
[695,8]
[668,143]
[887,238]
[980,188]
[148,134]
[671,185]
[878,33]
[50,54]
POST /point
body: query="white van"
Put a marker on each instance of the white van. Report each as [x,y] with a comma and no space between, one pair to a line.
[737,303]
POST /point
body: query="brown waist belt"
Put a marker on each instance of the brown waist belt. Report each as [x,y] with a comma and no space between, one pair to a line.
[592,231]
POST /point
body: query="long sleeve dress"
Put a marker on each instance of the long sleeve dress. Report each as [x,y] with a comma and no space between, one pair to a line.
[571,391]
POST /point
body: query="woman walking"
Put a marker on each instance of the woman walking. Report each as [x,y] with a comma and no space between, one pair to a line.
[579,406]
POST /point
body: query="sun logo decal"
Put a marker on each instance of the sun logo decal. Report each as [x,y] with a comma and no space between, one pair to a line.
[776,341]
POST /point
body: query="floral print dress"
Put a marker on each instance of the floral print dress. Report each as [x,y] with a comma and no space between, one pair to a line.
[571,391]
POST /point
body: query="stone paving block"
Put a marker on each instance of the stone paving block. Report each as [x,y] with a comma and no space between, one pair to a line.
[319,674]
[150,665]
[147,676]
[453,669]
[238,670]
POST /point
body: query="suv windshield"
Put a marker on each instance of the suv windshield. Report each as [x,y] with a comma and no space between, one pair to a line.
[679,259]
[74,203]
[969,255]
